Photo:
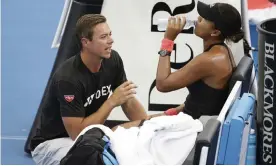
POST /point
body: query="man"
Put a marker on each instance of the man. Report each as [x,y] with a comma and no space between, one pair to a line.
[78,94]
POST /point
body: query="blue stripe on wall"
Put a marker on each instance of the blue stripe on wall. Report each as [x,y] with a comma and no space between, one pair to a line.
[28,28]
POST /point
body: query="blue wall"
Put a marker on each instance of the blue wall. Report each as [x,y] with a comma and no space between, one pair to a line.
[28,29]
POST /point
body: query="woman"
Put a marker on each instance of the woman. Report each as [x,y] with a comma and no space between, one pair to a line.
[208,74]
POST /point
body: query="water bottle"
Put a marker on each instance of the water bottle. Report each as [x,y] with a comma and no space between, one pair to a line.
[251,149]
[162,24]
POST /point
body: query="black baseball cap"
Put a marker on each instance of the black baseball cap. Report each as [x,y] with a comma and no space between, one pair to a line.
[226,18]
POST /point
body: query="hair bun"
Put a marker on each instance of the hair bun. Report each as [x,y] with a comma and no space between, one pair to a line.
[236,37]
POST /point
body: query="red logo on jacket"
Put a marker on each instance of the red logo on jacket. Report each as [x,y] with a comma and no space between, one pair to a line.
[69,98]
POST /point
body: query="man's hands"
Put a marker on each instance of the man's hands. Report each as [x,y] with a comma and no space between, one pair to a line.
[175,26]
[122,93]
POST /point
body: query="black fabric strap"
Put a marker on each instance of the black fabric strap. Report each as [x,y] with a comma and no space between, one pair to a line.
[141,123]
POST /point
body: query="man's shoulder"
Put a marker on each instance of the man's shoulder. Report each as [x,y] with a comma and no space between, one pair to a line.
[66,71]
[115,57]
[115,54]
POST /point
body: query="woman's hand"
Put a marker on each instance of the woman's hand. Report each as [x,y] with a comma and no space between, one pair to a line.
[175,26]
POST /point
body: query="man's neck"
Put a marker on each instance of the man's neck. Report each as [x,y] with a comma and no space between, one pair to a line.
[92,62]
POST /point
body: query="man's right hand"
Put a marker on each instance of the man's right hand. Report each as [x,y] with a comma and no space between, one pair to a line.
[122,93]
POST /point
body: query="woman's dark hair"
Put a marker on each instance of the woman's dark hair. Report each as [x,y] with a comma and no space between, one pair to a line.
[236,37]
[231,27]
[232,22]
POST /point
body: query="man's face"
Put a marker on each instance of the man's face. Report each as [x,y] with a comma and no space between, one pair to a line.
[101,42]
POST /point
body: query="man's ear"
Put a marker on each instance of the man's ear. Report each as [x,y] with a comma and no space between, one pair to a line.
[84,41]
[216,33]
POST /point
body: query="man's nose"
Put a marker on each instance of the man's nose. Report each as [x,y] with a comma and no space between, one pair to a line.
[110,41]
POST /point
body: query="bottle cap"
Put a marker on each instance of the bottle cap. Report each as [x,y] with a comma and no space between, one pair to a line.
[252,131]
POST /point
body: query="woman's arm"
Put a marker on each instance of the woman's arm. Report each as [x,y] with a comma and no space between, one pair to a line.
[200,67]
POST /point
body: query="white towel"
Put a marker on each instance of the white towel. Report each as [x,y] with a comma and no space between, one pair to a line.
[161,140]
